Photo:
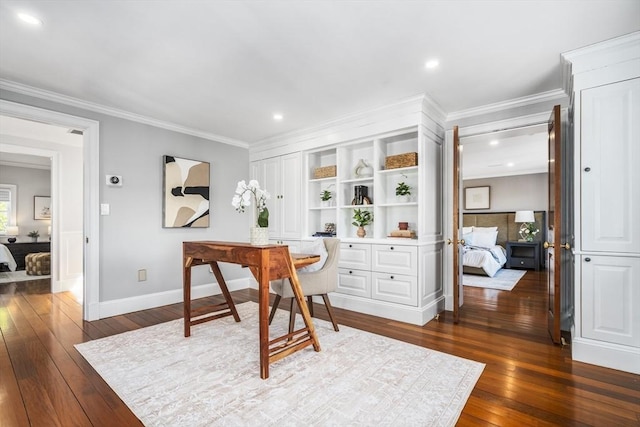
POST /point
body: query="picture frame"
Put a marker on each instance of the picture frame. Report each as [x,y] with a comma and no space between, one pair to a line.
[42,207]
[477,198]
[186,185]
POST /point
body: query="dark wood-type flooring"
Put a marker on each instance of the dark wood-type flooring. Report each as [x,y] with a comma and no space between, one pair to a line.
[527,380]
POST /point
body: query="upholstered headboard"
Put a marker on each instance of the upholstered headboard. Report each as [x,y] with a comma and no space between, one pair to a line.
[507,227]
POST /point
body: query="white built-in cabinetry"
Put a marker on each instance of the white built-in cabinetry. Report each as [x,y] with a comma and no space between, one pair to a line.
[606,89]
[281,177]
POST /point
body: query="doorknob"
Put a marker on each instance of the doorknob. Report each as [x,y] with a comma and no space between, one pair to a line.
[449,241]
[548,245]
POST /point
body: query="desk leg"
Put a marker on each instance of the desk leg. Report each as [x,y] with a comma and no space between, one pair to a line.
[225,291]
[186,295]
[263,313]
[302,304]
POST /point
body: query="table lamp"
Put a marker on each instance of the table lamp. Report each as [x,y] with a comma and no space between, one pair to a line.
[12,231]
[525,217]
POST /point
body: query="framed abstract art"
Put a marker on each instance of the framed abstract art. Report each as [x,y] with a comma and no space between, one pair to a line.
[185,193]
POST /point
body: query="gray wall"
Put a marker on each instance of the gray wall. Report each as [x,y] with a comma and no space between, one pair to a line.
[513,193]
[132,237]
[29,182]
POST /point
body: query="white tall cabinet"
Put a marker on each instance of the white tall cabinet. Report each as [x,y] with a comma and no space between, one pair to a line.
[606,103]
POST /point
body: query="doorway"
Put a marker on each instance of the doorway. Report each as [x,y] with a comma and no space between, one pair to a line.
[89,237]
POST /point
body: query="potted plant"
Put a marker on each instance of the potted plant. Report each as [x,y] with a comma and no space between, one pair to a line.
[362,218]
[34,235]
[403,191]
[325,197]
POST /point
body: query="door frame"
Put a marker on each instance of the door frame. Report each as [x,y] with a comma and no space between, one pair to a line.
[465,131]
[91,190]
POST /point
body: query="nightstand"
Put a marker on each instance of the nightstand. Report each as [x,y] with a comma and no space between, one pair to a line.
[523,255]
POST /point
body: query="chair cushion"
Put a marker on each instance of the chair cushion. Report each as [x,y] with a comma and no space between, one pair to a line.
[315,247]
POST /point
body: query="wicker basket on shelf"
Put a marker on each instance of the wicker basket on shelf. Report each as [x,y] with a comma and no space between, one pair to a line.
[401,161]
[324,172]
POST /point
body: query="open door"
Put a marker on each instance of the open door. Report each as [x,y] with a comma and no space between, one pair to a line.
[457,249]
[554,245]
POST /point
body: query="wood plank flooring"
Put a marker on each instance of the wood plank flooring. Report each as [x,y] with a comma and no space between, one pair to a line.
[527,380]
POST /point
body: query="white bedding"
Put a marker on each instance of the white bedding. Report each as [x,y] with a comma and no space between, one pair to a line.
[7,258]
[488,259]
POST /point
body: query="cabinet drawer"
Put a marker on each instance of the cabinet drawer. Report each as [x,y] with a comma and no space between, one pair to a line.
[397,288]
[395,259]
[354,282]
[522,262]
[355,255]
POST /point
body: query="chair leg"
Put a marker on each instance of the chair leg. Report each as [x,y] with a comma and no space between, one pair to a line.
[327,304]
[292,315]
[310,304]
[276,303]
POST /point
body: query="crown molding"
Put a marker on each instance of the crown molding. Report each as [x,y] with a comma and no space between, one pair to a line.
[115,112]
[549,96]
[605,53]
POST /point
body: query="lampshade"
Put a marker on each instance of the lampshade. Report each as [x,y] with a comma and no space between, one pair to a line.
[13,230]
[525,216]
[49,230]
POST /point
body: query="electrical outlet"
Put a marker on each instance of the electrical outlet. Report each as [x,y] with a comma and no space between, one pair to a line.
[142,275]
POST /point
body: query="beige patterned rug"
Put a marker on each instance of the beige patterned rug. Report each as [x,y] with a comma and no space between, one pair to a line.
[503,280]
[212,378]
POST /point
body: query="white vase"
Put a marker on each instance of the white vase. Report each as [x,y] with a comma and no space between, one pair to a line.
[363,169]
[403,198]
[259,236]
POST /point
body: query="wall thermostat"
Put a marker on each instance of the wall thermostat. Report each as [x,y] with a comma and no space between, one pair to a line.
[114,180]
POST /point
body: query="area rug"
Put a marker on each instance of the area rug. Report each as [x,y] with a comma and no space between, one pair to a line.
[213,378]
[18,276]
[504,280]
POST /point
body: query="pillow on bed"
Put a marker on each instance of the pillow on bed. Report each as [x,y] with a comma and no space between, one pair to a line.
[483,239]
[484,229]
[467,230]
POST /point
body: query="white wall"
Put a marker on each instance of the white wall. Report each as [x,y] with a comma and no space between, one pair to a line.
[513,193]
[29,182]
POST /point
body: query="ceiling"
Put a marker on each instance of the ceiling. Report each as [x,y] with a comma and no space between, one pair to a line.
[225,67]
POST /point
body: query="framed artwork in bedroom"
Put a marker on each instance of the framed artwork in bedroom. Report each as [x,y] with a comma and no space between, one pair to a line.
[477,198]
[41,207]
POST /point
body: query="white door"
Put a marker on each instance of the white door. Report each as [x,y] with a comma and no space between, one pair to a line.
[290,197]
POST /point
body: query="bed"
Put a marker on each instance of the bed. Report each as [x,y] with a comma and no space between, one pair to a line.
[486,236]
[7,258]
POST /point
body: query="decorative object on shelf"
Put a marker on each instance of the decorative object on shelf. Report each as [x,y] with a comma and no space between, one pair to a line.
[34,235]
[403,225]
[324,172]
[401,161]
[185,193]
[330,227]
[403,191]
[361,195]
[326,196]
[41,207]
[259,234]
[363,169]
[362,218]
[528,228]
[406,234]
[13,231]
[476,198]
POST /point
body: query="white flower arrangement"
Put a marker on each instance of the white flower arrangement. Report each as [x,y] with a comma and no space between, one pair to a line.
[244,194]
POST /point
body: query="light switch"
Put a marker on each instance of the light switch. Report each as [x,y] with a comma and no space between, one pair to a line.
[105,209]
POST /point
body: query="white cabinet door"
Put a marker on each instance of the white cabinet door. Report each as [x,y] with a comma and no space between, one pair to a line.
[290,196]
[611,299]
[395,259]
[610,172]
[396,288]
[354,282]
[355,255]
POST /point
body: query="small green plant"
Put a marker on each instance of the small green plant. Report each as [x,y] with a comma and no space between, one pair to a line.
[34,233]
[263,217]
[403,189]
[325,195]
[362,218]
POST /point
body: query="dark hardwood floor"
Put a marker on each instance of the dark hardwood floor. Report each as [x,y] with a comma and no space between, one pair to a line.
[527,380]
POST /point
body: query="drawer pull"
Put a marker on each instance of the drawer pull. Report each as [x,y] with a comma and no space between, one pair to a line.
[392,277]
[521,262]
[391,247]
[587,260]
[587,169]
[350,272]
[350,246]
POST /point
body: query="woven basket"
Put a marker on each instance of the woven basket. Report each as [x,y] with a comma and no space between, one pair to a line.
[401,161]
[324,172]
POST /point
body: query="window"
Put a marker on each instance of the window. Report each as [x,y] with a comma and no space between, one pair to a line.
[7,206]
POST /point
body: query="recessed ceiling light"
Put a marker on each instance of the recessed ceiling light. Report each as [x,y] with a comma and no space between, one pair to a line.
[29,19]
[278,117]
[431,64]
[510,164]
[494,142]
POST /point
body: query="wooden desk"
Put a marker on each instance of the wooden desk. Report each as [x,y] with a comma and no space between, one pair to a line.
[269,262]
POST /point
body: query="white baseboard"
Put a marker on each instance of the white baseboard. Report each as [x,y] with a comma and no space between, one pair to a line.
[612,356]
[402,313]
[147,301]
